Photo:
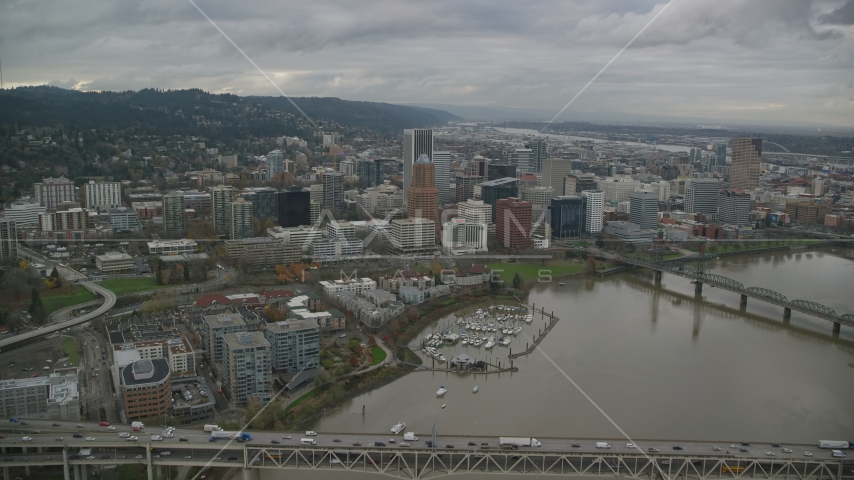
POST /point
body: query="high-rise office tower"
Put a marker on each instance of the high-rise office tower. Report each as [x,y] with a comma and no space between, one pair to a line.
[555,171]
[539,153]
[643,209]
[221,198]
[275,163]
[595,200]
[423,199]
[294,207]
[8,239]
[720,160]
[734,207]
[241,219]
[465,186]
[523,159]
[493,190]
[568,215]
[513,222]
[477,166]
[333,190]
[366,170]
[575,183]
[744,171]
[174,219]
[265,203]
[442,165]
[104,195]
[701,196]
[416,142]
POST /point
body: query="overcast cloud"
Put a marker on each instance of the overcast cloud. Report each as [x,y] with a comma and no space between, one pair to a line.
[753,59]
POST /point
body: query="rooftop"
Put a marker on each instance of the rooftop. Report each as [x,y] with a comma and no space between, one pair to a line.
[223,320]
[146,371]
[291,325]
[236,341]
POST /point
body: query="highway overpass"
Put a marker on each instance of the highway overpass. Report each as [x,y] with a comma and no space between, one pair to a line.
[453,455]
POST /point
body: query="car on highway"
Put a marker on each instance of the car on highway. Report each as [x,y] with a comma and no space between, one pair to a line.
[90,439]
[677,447]
[336,440]
[59,439]
[630,445]
[277,442]
[138,457]
[808,454]
[716,449]
[357,444]
[56,425]
[379,444]
[132,439]
[653,449]
[775,445]
[404,444]
[770,454]
[787,450]
[212,439]
[27,439]
[78,435]
[183,439]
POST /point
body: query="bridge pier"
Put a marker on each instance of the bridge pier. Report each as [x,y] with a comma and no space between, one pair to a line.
[836,327]
[65,467]
[787,314]
[743,301]
[251,473]
[657,277]
[148,463]
[698,287]
[76,472]
[6,473]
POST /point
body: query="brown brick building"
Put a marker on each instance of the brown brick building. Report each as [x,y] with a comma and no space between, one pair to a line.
[423,196]
[146,388]
[513,222]
[806,211]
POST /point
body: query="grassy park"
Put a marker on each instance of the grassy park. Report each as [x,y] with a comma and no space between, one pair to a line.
[69,346]
[378,354]
[531,271]
[57,299]
[130,285]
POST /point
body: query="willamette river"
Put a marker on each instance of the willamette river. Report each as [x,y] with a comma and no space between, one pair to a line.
[660,363]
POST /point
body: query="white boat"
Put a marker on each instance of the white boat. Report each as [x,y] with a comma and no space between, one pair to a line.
[398,427]
[442,390]
[506,342]
[475,389]
[444,405]
[490,343]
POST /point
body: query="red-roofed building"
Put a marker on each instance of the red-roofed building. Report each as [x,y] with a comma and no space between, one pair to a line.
[212,299]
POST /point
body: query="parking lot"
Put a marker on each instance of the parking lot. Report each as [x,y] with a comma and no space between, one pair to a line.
[31,360]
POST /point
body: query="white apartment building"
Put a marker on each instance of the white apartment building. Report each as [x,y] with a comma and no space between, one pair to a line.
[595,208]
[24,212]
[241,219]
[53,191]
[355,285]
[55,397]
[172,247]
[114,262]
[475,211]
[102,195]
[336,229]
[214,327]
[294,344]
[442,175]
[301,235]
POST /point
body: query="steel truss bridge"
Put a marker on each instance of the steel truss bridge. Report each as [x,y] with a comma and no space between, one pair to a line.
[700,277]
[423,463]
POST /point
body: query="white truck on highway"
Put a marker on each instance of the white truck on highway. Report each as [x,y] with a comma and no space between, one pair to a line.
[837,444]
[409,437]
[212,428]
[137,426]
[516,442]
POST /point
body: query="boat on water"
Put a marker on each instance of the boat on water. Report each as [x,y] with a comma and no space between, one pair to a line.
[475,389]
[442,390]
[490,343]
[561,283]
[444,405]
[398,427]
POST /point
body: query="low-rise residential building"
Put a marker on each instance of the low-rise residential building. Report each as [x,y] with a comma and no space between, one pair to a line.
[301,236]
[356,285]
[295,344]
[114,262]
[335,247]
[247,369]
[55,397]
[262,252]
[123,219]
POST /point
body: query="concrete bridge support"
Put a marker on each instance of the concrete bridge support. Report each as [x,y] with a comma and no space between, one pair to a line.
[657,277]
[698,287]
[836,328]
[65,467]
[787,314]
[743,301]
[149,468]
[251,473]
[6,473]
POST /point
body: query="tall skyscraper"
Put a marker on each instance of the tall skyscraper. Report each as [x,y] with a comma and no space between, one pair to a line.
[595,200]
[465,186]
[477,166]
[523,159]
[416,142]
[247,369]
[8,239]
[275,163]
[555,171]
[744,171]
[294,207]
[366,170]
[539,153]
[333,190]
[265,203]
[442,165]
[423,199]
[493,190]
[701,196]
[720,160]
[643,209]
[104,195]
[174,220]
[221,198]
[241,219]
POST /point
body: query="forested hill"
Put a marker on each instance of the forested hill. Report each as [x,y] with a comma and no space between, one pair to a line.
[194,112]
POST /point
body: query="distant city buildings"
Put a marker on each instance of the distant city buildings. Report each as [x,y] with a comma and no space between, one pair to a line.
[52,192]
[102,195]
[746,157]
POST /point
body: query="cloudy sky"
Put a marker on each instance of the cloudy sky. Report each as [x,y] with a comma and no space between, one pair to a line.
[751,59]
